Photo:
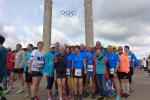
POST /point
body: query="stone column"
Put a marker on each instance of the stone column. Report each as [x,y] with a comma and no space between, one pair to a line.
[89,37]
[47,24]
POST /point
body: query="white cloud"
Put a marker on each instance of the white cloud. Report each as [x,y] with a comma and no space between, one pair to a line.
[118,22]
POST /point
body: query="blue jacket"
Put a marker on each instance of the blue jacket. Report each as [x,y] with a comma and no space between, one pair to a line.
[132,58]
[49,64]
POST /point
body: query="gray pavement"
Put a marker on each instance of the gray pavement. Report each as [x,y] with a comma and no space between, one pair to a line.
[141,89]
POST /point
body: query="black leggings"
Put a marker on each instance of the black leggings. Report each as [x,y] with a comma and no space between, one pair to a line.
[131,74]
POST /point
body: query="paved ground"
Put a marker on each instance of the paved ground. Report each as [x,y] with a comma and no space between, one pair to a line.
[141,89]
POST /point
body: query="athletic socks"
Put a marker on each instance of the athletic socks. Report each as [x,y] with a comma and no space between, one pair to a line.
[127,88]
[123,87]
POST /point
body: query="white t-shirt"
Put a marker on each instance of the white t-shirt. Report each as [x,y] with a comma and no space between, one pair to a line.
[38,60]
[144,63]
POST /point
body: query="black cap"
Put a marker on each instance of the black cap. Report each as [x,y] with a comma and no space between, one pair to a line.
[2,39]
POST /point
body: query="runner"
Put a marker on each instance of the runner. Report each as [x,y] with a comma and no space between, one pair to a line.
[113,62]
[132,58]
[144,65]
[60,69]
[123,72]
[9,67]
[89,57]
[28,76]
[100,71]
[3,59]
[48,71]
[83,52]
[36,66]
[79,65]
[69,57]
[18,69]
[57,52]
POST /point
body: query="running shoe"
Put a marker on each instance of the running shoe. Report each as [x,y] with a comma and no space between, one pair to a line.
[21,90]
[105,98]
[3,98]
[131,90]
[51,98]
[118,98]
[36,98]
[99,98]
[75,97]
[7,91]
[85,94]
[80,97]
[93,96]
[126,95]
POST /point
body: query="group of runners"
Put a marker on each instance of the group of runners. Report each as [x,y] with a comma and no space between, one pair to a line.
[72,71]
[145,65]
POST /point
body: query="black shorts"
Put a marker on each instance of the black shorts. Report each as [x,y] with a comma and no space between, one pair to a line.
[61,74]
[123,75]
[111,75]
[18,71]
[37,74]
[28,77]
[50,81]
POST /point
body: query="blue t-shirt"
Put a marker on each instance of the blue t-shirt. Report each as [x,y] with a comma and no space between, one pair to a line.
[89,57]
[78,61]
[113,58]
[69,60]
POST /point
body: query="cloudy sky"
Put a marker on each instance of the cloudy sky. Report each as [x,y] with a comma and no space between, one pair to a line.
[118,22]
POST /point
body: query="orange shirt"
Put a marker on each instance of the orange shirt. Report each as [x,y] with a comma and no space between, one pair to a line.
[124,63]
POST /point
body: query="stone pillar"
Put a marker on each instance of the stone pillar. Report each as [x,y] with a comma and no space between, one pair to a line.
[47,24]
[89,37]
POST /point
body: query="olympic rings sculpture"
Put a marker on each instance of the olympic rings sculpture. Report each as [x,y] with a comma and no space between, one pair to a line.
[68,13]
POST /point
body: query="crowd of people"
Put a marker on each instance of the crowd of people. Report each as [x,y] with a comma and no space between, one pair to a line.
[73,71]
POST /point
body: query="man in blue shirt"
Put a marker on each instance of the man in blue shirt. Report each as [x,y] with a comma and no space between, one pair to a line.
[3,58]
[113,64]
[89,57]
[132,58]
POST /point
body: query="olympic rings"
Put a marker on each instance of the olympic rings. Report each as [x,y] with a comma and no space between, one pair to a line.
[68,13]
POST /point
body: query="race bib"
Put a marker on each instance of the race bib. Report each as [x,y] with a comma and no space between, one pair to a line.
[78,72]
[40,64]
[68,71]
[112,70]
[90,68]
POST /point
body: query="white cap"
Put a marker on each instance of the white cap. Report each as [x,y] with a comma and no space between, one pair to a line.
[52,46]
